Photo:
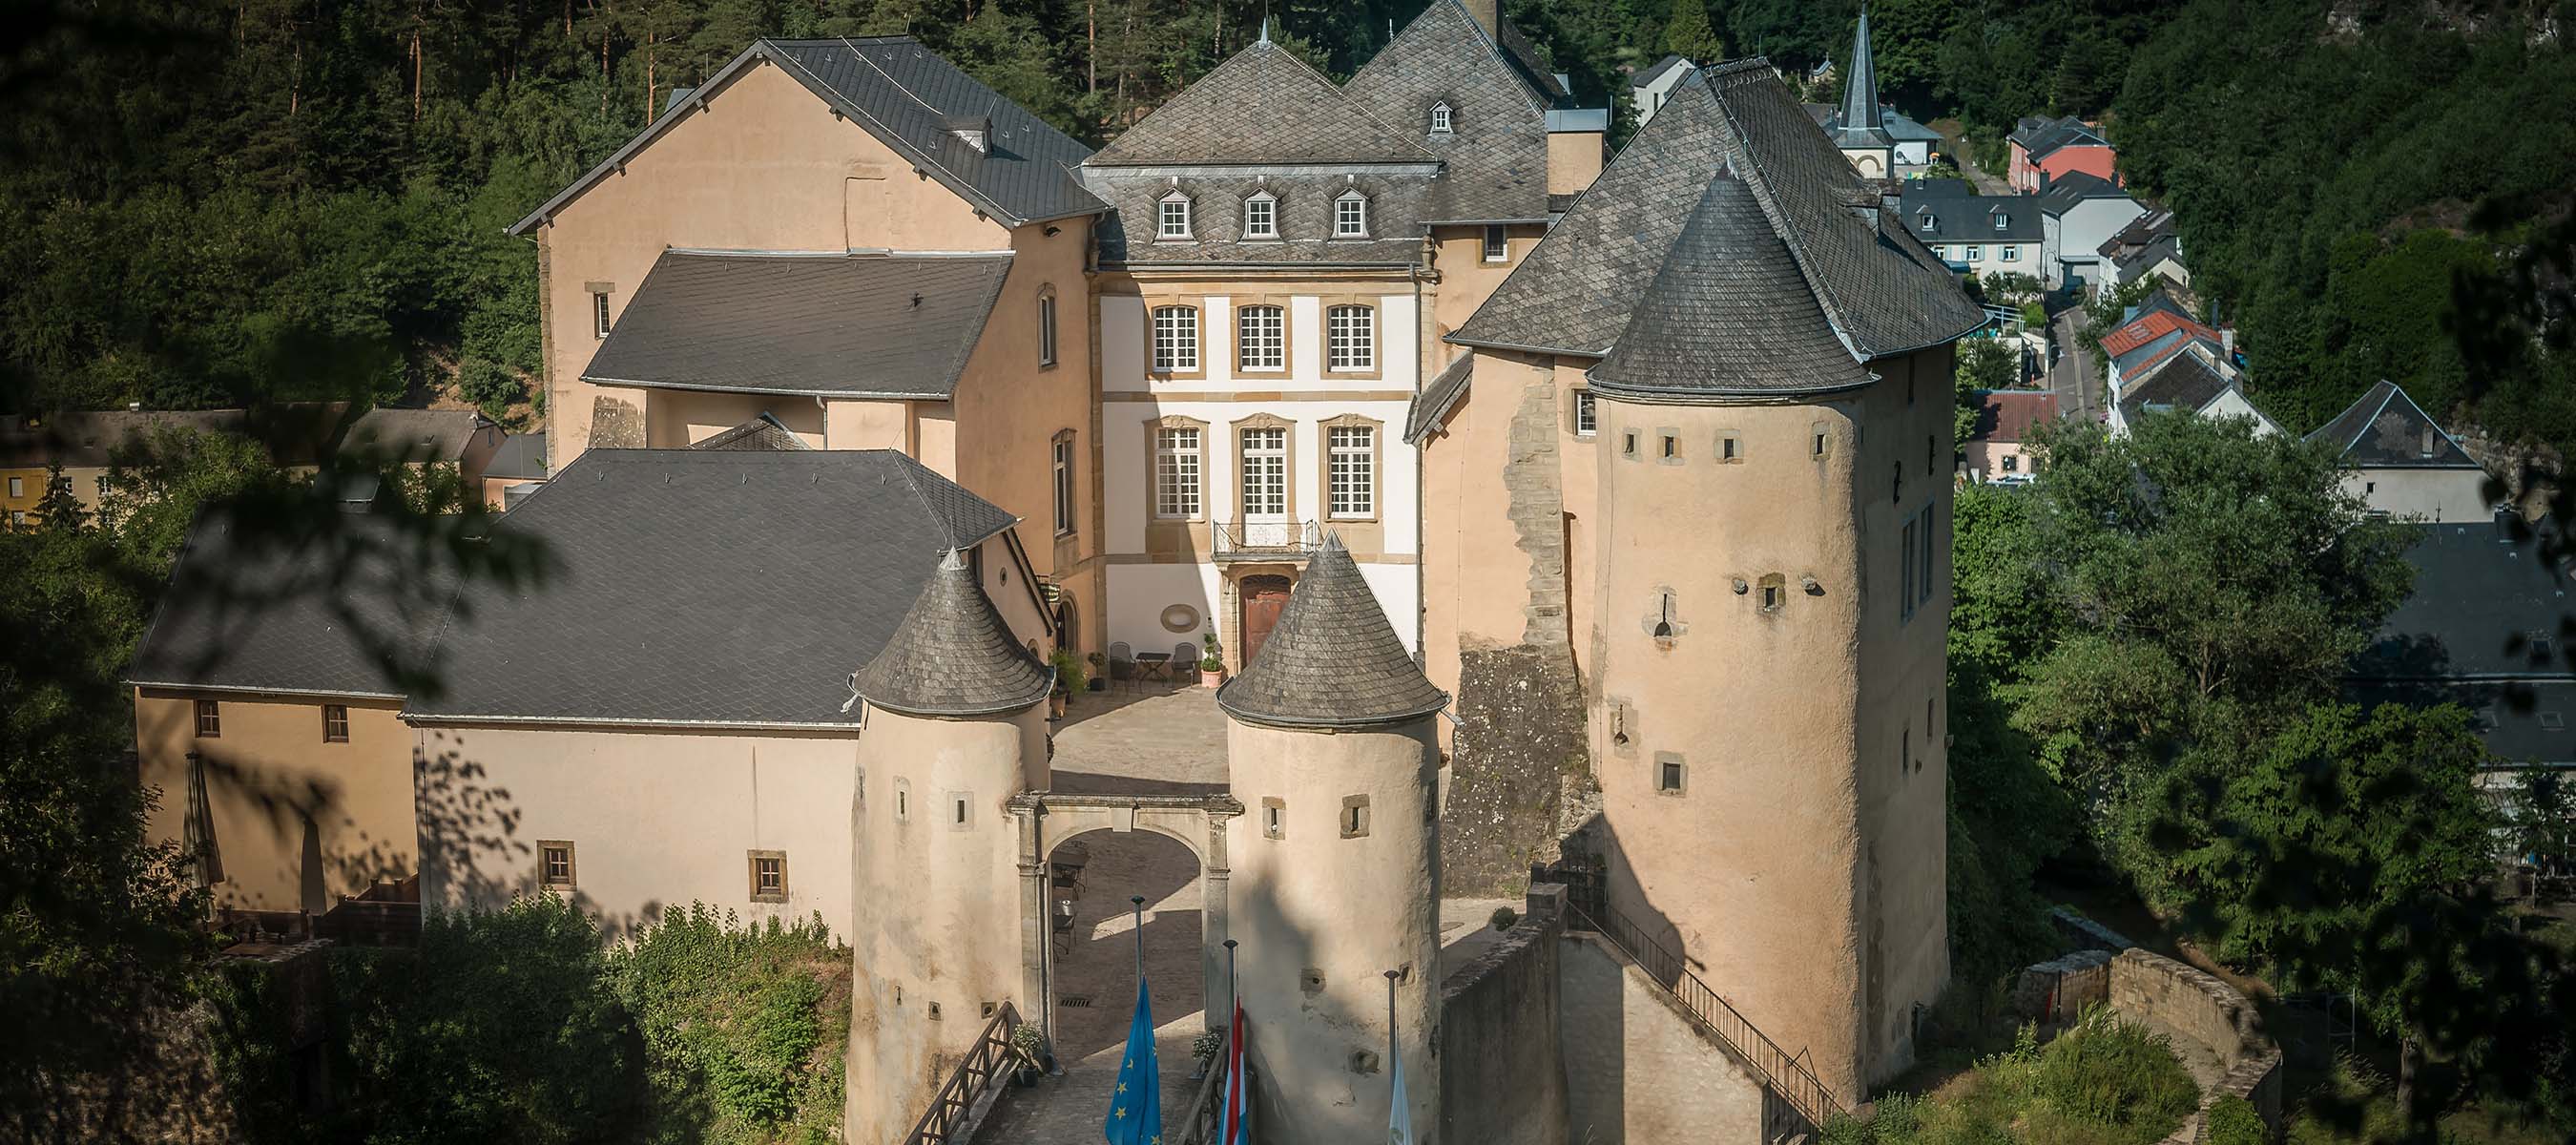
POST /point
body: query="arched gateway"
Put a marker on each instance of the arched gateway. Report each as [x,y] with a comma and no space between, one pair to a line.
[1048,819]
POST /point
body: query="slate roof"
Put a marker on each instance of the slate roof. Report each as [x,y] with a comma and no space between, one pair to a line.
[1495,155]
[717,587]
[1648,77]
[1903,129]
[1397,206]
[2066,192]
[802,324]
[2168,246]
[1531,63]
[2385,429]
[2009,415]
[2147,227]
[521,456]
[953,655]
[2040,136]
[416,434]
[1333,661]
[1969,218]
[908,98]
[1263,106]
[2481,594]
[760,433]
[1714,320]
[331,611]
[1878,288]
[2186,381]
[294,433]
[1431,407]
[1857,123]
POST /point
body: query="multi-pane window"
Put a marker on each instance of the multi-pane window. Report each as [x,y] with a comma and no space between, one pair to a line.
[599,313]
[335,723]
[2012,254]
[1350,334]
[1261,217]
[1440,119]
[1350,216]
[1176,471]
[1176,339]
[1976,253]
[17,486]
[768,876]
[1174,218]
[1917,582]
[1063,460]
[1046,329]
[1351,470]
[210,720]
[1261,337]
[1265,472]
[1497,248]
[1586,415]
[555,870]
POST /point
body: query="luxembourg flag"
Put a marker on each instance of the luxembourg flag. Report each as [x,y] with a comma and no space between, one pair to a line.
[1234,1117]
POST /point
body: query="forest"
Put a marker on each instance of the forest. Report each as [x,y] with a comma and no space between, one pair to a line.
[216,202]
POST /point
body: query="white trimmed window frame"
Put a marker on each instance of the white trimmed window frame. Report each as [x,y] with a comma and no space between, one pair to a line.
[1172,218]
[1350,338]
[1261,216]
[1351,470]
[1261,338]
[1176,339]
[1180,472]
[1350,216]
[1441,119]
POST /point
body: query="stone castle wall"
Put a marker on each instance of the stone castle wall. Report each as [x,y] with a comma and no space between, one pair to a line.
[1502,1078]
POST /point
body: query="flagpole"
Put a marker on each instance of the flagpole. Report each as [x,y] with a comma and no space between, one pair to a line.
[1138,902]
[1395,1064]
[1390,1018]
[1233,992]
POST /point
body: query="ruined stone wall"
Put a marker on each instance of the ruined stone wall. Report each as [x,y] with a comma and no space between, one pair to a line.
[1502,1075]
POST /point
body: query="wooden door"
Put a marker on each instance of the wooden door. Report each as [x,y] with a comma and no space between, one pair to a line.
[1263,597]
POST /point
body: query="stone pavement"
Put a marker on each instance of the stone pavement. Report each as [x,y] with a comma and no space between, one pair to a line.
[1141,739]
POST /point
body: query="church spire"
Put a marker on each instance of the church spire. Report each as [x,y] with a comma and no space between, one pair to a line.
[1860,87]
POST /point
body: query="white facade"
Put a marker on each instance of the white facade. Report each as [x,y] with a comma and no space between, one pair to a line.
[2426,494]
[2071,248]
[1167,566]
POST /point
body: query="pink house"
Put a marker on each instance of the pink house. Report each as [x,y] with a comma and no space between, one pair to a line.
[2047,149]
[1995,450]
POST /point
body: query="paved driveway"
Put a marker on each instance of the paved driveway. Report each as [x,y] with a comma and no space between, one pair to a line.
[2076,378]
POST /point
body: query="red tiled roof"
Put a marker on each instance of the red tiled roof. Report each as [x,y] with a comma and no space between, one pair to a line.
[2008,415]
[2150,326]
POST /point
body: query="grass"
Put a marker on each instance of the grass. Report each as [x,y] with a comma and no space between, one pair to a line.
[2103,1082]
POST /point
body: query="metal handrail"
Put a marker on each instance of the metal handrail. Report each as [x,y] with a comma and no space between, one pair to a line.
[1243,540]
[1201,1127]
[1783,1072]
[985,1061]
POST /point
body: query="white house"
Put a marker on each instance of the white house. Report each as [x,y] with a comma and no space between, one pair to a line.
[2079,213]
[1648,89]
[2403,463]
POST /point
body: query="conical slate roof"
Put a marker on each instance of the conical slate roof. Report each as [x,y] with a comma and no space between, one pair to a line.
[1728,313]
[953,655]
[1860,112]
[1333,661]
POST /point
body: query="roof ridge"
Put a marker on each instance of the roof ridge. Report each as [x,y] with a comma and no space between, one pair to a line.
[1772,214]
[2381,408]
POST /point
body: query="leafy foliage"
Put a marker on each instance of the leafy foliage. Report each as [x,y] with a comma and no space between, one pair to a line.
[743,1026]
[1983,364]
[2103,1082]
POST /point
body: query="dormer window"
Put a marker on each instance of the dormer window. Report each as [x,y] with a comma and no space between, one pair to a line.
[1174,217]
[1927,220]
[1261,217]
[1439,119]
[2000,219]
[974,131]
[1350,216]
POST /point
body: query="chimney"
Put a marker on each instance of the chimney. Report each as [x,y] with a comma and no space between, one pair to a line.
[1484,12]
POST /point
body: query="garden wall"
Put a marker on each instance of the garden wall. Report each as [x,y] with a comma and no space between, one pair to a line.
[2195,1005]
[1501,1076]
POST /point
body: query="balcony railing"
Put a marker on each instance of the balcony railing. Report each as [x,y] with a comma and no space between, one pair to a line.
[948,1120]
[1266,540]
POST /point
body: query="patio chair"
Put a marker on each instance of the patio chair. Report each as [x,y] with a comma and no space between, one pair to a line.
[1122,663]
[1185,657]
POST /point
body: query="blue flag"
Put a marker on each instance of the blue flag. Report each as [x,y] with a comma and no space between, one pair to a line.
[1136,1107]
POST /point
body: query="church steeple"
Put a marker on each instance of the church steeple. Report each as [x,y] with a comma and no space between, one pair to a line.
[1860,85]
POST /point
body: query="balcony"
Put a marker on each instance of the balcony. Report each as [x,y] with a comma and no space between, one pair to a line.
[1265,540]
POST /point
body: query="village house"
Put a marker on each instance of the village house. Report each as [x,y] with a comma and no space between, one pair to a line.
[2486,627]
[2159,359]
[1974,234]
[2079,212]
[1648,89]
[2149,244]
[2401,463]
[1995,452]
[2044,150]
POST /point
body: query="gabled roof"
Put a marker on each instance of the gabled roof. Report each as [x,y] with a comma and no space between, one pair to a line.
[2185,381]
[1969,218]
[1879,289]
[1903,129]
[417,434]
[1728,314]
[332,612]
[2068,191]
[2481,594]
[704,587]
[1262,106]
[761,433]
[2008,415]
[2387,430]
[953,655]
[1530,62]
[2150,327]
[2039,136]
[908,98]
[2145,228]
[1430,408]
[294,433]
[1333,661]
[1648,77]
[522,456]
[858,325]
[1494,157]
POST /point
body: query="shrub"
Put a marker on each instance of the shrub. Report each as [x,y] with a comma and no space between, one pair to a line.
[490,385]
[2233,1121]
[744,1026]
[1505,917]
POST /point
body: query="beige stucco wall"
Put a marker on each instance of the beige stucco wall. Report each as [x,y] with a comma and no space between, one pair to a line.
[676,418]
[936,912]
[1321,919]
[298,821]
[1637,1068]
[1574,160]
[1800,865]
[1466,281]
[2430,494]
[1009,408]
[657,817]
[766,166]
[1986,459]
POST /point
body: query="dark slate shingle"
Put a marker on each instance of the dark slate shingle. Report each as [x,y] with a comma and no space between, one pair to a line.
[760,433]
[1262,106]
[2387,430]
[1333,661]
[2184,382]
[718,587]
[872,325]
[1431,407]
[2481,596]
[1495,154]
[521,456]
[953,655]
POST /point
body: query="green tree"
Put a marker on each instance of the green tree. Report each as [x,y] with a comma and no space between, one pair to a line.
[1983,364]
[1688,34]
[59,508]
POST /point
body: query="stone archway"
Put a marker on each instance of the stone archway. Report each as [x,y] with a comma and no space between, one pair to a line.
[1048,819]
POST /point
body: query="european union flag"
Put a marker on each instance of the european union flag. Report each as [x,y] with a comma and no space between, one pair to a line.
[1136,1109]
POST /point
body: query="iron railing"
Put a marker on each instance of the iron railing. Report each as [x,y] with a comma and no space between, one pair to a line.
[948,1118]
[1781,1071]
[1265,540]
[1201,1128]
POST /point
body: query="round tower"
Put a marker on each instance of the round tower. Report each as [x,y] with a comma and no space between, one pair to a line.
[1769,646]
[954,728]
[1336,876]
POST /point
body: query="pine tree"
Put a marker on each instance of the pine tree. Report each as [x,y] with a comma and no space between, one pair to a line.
[59,509]
[1689,35]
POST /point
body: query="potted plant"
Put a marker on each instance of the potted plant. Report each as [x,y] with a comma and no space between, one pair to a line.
[1211,662]
[1068,679]
[1204,1049]
[1028,1043]
[1099,671]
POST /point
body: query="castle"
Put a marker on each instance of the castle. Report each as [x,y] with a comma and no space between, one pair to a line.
[1544,513]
